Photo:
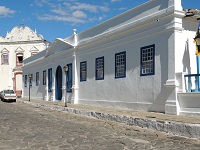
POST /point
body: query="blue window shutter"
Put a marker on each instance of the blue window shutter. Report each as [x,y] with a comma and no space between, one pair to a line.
[50,80]
[69,78]
[25,82]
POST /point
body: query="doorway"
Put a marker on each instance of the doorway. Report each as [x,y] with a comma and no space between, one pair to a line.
[58,83]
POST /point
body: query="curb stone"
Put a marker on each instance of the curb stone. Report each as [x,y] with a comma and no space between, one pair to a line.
[180,129]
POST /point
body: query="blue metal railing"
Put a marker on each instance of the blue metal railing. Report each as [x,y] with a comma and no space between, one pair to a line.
[196,81]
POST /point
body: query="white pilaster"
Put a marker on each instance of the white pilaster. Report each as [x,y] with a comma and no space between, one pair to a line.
[75,81]
[47,94]
[53,93]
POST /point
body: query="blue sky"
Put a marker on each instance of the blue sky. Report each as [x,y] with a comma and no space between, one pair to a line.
[56,18]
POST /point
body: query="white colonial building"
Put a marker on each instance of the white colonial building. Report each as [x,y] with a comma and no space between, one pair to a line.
[136,60]
[20,43]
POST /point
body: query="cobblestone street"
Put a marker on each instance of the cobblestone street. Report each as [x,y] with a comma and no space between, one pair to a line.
[27,127]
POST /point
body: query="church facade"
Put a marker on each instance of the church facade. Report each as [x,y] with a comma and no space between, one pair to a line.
[18,44]
[137,60]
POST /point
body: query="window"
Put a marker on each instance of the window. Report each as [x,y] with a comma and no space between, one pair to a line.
[31,79]
[147,60]
[69,78]
[50,80]
[19,59]
[33,53]
[100,68]
[83,71]
[37,78]
[44,77]
[4,59]
[25,81]
[120,65]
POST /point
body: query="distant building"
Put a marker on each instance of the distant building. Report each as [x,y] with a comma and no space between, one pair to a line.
[136,60]
[20,43]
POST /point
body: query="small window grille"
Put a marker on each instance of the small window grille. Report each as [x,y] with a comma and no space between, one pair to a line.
[83,71]
[147,60]
[37,78]
[50,80]
[44,77]
[25,81]
[120,65]
[100,68]
[4,59]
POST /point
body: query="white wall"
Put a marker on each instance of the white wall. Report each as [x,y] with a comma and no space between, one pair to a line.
[40,65]
[134,91]
[151,23]
[186,57]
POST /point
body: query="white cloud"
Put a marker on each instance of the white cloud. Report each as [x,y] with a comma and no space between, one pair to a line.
[59,11]
[40,3]
[100,18]
[122,8]
[6,12]
[86,7]
[104,8]
[79,14]
[83,6]
[72,11]
[47,17]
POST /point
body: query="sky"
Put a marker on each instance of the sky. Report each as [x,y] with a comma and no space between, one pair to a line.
[57,18]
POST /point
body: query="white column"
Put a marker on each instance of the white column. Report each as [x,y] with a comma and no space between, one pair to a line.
[64,94]
[11,66]
[53,98]
[177,5]
[172,105]
[64,87]
[75,81]
[46,88]
[47,94]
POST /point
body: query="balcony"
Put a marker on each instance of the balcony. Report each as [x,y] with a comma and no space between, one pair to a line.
[192,82]
[17,69]
[188,93]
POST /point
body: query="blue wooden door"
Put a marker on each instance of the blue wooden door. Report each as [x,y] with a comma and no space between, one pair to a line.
[58,83]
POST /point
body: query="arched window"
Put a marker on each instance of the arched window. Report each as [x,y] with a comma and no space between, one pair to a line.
[19,59]
[4,59]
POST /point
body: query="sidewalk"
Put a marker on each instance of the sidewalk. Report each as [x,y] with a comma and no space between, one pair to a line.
[188,126]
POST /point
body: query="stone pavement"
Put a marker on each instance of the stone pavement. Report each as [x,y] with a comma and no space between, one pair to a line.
[188,126]
[30,127]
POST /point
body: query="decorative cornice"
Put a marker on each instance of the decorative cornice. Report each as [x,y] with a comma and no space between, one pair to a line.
[34,49]
[4,50]
[25,42]
[19,49]
[179,14]
[17,68]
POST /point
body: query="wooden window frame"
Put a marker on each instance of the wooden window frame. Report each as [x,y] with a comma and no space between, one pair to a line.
[3,60]
[50,79]
[83,71]
[99,65]
[37,78]
[147,60]
[44,77]
[120,65]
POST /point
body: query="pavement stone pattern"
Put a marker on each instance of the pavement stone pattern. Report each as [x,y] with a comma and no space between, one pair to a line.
[30,127]
[188,126]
